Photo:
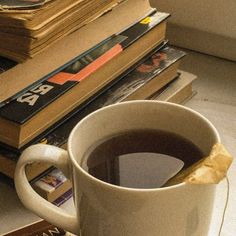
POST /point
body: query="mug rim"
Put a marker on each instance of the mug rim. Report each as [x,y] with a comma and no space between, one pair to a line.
[78,166]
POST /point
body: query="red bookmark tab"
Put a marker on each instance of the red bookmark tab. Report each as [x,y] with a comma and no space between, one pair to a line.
[63,77]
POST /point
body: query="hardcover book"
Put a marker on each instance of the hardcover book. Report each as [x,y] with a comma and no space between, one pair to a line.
[17,128]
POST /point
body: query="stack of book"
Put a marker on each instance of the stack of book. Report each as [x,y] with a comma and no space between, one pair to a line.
[121,55]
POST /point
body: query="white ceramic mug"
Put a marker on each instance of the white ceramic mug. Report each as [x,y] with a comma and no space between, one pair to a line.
[103,209]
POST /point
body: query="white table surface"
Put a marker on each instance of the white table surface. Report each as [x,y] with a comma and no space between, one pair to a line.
[216,99]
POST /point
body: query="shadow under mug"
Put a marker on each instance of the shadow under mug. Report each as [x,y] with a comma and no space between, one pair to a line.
[103,209]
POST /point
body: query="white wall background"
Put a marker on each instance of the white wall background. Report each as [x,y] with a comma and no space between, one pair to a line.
[204,25]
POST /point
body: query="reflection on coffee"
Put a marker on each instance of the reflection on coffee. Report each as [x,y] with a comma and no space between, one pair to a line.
[140,158]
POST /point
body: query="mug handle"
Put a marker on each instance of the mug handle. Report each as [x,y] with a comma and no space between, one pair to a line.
[51,213]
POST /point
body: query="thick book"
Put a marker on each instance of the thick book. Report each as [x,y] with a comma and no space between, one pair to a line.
[29,19]
[140,39]
[26,75]
[156,69]
[29,32]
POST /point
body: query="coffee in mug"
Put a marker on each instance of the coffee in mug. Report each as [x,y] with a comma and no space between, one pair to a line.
[132,158]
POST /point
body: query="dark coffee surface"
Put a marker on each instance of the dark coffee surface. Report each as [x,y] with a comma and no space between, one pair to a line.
[130,159]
